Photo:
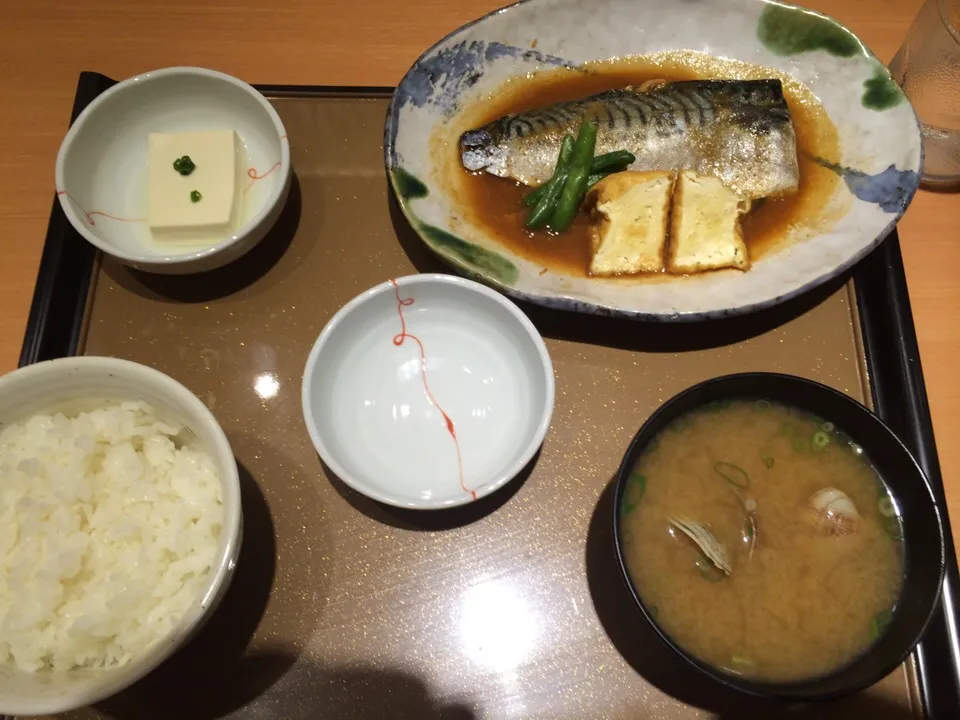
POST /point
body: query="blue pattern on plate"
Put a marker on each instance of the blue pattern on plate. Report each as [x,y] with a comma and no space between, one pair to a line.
[891,189]
[442,77]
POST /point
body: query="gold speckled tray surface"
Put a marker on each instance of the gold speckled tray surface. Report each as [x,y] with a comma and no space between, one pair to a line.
[508,608]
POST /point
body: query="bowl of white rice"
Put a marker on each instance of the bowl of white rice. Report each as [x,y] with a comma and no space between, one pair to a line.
[120,526]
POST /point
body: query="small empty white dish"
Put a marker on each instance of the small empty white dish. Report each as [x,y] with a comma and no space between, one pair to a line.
[101,169]
[428,391]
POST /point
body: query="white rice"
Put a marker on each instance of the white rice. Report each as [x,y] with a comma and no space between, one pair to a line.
[108,531]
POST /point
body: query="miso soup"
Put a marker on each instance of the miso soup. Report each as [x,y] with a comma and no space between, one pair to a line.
[762,540]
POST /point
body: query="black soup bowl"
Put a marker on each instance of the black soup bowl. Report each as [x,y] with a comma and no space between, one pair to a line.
[923,544]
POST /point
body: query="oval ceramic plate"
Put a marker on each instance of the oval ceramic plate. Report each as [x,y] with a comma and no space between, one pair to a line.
[879,145]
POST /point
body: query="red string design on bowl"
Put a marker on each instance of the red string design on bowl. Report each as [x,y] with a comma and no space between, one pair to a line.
[398,340]
[252,174]
[88,215]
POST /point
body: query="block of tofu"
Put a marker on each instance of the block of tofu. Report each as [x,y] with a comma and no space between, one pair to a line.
[172,214]
[705,226]
[630,211]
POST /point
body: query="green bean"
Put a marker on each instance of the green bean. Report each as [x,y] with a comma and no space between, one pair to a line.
[566,152]
[576,184]
[594,178]
[611,160]
[531,199]
[600,167]
[554,186]
[610,163]
[548,202]
[563,158]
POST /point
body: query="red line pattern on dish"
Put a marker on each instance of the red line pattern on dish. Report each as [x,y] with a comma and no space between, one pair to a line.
[252,174]
[89,215]
[398,341]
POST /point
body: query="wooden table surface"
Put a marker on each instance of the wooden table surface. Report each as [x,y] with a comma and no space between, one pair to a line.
[44,45]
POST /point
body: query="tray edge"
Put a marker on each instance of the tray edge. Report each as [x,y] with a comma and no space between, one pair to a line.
[65,281]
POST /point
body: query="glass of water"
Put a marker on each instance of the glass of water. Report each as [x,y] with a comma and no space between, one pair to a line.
[927,67]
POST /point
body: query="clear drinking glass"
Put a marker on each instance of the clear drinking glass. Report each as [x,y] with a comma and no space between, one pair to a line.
[927,67]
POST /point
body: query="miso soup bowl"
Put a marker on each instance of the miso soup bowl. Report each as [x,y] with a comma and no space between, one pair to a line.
[923,540]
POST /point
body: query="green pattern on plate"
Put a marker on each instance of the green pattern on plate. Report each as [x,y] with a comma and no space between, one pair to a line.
[408,185]
[881,92]
[790,31]
[490,263]
[477,259]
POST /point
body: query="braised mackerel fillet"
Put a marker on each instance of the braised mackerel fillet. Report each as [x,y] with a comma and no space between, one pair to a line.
[739,131]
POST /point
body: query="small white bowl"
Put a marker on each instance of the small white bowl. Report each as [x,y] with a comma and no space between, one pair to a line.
[84,383]
[457,433]
[102,164]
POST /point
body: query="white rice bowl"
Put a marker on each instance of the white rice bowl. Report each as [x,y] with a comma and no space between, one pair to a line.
[120,528]
[108,531]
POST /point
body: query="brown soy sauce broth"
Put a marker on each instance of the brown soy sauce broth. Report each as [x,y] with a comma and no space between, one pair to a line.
[806,601]
[496,204]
